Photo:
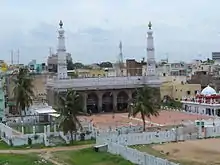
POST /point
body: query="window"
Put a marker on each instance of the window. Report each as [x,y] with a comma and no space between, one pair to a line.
[176,99]
[196,92]
[188,92]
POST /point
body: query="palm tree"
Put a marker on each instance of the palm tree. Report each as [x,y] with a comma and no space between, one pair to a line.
[23,90]
[69,107]
[144,103]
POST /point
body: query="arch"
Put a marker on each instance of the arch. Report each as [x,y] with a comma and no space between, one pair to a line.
[92,102]
[107,102]
[122,101]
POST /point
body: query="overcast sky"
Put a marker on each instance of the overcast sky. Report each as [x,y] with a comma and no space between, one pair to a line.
[182,29]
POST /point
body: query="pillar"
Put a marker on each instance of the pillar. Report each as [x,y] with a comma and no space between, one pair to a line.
[100,94]
[55,128]
[22,129]
[34,130]
[48,130]
[45,129]
[115,102]
[129,92]
[84,95]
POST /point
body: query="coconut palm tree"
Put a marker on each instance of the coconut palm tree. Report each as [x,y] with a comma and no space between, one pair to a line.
[70,105]
[145,104]
[23,90]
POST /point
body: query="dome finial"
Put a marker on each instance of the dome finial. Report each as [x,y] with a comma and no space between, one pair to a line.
[61,23]
[150,25]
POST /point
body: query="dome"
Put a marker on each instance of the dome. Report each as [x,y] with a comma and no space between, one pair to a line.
[208,91]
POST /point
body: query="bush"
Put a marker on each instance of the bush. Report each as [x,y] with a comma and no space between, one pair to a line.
[29,141]
[82,136]
[11,143]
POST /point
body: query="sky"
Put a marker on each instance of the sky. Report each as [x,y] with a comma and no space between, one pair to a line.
[183,30]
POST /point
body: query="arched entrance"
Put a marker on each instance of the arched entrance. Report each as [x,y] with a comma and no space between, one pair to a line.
[122,101]
[92,103]
[107,102]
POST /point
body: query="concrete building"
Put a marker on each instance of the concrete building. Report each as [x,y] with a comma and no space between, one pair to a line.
[53,60]
[172,69]
[177,90]
[39,82]
[207,102]
[89,72]
[216,57]
[134,68]
[104,93]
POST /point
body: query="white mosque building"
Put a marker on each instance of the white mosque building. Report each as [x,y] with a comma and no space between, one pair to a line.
[205,103]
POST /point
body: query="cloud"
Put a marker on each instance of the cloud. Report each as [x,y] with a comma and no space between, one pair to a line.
[95,27]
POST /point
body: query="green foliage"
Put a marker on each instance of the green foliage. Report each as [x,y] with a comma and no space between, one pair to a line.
[90,157]
[23,90]
[106,65]
[21,159]
[171,103]
[69,107]
[145,103]
[29,141]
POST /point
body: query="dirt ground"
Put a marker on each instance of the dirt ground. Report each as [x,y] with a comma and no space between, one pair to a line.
[204,151]
[121,119]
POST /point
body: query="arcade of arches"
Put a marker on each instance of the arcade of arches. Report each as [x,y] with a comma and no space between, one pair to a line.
[107,101]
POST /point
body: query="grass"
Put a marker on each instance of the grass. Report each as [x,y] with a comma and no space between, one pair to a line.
[15,159]
[4,146]
[90,157]
[148,149]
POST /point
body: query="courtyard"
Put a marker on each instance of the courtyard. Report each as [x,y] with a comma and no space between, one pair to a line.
[166,118]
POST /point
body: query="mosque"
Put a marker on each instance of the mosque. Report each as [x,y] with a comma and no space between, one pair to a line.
[206,102]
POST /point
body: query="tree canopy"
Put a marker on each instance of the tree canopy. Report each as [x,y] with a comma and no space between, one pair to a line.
[23,90]
[145,104]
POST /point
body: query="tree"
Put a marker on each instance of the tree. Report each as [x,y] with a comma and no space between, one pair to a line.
[106,65]
[23,90]
[144,103]
[69,107]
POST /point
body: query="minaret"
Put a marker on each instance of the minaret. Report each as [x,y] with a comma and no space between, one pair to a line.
[61,53]
[151,63]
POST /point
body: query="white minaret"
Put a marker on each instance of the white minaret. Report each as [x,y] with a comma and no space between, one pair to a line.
[61,53]
[151,63]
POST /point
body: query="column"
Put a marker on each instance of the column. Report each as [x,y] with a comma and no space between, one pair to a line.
[100,94]
[115,102]
[129,92]
[34,131]
[55,128]
[84,95]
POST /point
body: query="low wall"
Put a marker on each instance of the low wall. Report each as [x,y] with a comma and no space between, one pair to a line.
[136,156]
[23,139]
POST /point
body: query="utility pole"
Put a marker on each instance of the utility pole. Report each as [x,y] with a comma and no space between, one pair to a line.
[12,57]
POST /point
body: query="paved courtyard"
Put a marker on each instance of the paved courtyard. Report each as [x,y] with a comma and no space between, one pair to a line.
[165,118]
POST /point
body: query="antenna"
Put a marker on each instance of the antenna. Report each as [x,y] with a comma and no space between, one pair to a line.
[12,57]
[18,54]
[120,61]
